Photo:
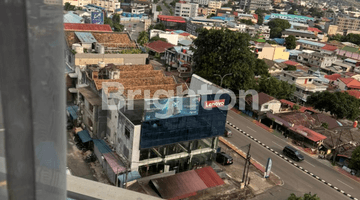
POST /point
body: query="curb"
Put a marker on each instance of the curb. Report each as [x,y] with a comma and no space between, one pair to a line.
[255,163]
[290,161]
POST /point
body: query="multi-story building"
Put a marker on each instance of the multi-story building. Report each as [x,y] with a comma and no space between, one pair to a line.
[316,46]
[201,2]
[331,29]
[108,5]
[78,3]
[304,83]
[291,18]
[345,24]
[214,4]
[271,52]
[299,34]
[186,9]
[316,59]
[255,4]
[206,11]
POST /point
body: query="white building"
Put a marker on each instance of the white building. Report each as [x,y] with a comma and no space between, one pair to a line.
[201,2]
[109,5]
[171,37]
[316,59]
[305,84]
[77,3]
[214,4]
[186,9]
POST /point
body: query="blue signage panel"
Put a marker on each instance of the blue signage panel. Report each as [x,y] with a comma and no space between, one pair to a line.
[171,107]
[97,17]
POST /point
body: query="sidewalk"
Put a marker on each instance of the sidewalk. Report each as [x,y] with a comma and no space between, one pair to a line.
[340,170]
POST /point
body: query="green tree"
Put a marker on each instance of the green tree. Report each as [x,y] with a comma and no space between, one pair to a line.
[68,6]
[261,68]
[290,68]
[355,159]
[290,42]
[260,19]
[158,8]
[160,26]
[337,37]
[276,88]
[108,21]
[339,104]
[296,107]
[156,38]
[307,196]
[291,12]
[277,26]
[246,21]
[211,15]
[222,52]
[325,125]
[353,38]
[143,38]
[118,27]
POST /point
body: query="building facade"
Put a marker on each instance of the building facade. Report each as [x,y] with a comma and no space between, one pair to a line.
[77,3]
[255,4]
[345,24]
[304,83]
[316,59]
[186,9]
[108,5]
[214,4]
[271,52]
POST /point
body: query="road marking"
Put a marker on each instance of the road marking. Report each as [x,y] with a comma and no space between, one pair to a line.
[345,184]
[1,129]
[309,163]
[3,183]
[251,129]
[277,144]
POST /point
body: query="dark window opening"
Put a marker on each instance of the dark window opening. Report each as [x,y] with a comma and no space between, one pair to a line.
[127,132]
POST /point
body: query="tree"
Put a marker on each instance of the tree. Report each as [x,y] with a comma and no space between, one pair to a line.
[290,42]
[160,26]
[291,12]
[337,37]
[118,27]
[260,19]
[156,38]
[211,15]
[355,159]
[246,21]
[290,68]
[261,68]
[325,125]
[307,196]
[277,26]
[143,38]
[158,8]
[68,6]
[270,42]
[276,88]
[108,21]
[223,51]
[339,104]
[353,38]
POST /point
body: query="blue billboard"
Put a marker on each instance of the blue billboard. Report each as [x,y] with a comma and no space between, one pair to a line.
[171,107]
[97,17]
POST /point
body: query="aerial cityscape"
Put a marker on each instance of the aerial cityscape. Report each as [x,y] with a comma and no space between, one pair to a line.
[180,99]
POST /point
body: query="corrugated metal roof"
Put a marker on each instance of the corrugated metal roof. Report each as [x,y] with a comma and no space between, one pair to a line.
[87,27]
[308,133]
[311,42]
[178,186]
[72,110]
[84,136]
[70,17]
[116,165]
[85,37]
[102,146]
[209,176]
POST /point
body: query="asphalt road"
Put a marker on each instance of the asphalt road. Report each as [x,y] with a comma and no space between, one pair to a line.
[295,180]
[165,10]
[134,32]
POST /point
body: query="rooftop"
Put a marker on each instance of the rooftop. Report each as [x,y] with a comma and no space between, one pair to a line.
[299,74]
[333,77]
[308,133]
[354,93]
[312,29]
[159,46]
[169,18]
[85,37]
[311,43]
[350,83]
[87,27]
[71,17]
[262,98]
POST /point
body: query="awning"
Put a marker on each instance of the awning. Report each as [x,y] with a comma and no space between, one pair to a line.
[114,162]
[278,120]
[102,146]
[72,111]
[134,175]
[84,136]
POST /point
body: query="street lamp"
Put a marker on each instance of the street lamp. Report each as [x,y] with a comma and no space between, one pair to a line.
[222,77]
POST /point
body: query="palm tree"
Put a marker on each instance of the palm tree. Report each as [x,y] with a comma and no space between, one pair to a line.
[143,38]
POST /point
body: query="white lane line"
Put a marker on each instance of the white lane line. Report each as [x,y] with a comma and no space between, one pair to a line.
[309,163]
[250,128]
[345,184]
[1,129]
[277,144]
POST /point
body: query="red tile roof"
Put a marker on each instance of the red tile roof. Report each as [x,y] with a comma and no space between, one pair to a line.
[354,93]
[185,34]
[290,62]
[349,74]
[262,98]
[87,27]
[159,46]
[302,108]
[313,29]
[308,133]
[333,77]
[350,82]
[256,16]
[287,102]
[329,47]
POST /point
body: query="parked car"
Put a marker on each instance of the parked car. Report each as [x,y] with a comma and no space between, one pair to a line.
[227,132]
[224,159]
[292,153]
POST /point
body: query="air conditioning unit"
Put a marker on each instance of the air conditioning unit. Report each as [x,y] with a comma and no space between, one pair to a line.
[91,128]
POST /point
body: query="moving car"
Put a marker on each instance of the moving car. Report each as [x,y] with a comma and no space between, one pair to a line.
[227,132]
[224,159]
[292,153]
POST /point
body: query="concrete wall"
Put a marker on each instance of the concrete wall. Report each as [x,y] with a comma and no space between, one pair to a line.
[112,125]
[171,38]
[280,53]
[267,52]
[341,85]
[124,144]
[272,105]
[121,59]
[135,156]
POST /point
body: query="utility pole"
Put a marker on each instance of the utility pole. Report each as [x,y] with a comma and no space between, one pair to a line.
[336,148]
[247,166]
[222,77]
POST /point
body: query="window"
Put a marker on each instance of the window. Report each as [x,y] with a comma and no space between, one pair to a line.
[91,108]
[310,79]
[127,132]
[266,106]
[293,78]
